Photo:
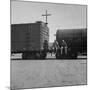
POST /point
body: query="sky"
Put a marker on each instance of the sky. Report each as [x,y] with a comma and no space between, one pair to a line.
[63,16]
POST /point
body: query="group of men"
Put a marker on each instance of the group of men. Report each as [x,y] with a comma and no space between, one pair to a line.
[63,47]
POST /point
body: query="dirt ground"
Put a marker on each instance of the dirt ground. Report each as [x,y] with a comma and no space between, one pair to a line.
[47,73]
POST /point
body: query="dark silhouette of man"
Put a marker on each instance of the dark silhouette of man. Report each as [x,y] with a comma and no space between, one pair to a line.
[63,47]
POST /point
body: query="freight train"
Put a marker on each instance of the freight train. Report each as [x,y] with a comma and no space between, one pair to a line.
[30,39]
[76,40]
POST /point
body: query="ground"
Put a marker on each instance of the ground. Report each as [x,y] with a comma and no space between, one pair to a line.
[47,73]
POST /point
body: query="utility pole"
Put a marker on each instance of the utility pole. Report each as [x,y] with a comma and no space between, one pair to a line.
[46,15]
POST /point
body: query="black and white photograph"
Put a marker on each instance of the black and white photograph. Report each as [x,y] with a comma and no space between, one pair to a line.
[48,44]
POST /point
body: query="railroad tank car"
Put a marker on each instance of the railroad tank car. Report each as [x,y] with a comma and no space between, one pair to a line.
[76,40]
